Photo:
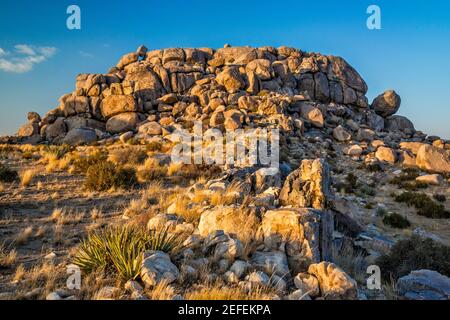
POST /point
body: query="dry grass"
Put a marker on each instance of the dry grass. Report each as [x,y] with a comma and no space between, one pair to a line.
[174,168]
[186,209]
[219,291]
[162,291]
[96,214]
[390,290]
[23,236]
[353,263]
[64,217]
[20,273]
[7,258]
[27,177]
[151,170]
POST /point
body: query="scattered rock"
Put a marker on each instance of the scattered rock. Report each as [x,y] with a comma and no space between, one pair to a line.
[334,283]
[156,267]
[424,285]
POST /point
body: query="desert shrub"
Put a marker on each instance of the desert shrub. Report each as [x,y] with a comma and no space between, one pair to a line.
[439,197]
[413,254]
[374,167]
[351,182]
[103,176]
[7,175]
[406,180]
[365,190]
[120,249]
[380,212]
[154,146]
[395,220]
[84,163]
[58,152]
[424,204]
[127,155]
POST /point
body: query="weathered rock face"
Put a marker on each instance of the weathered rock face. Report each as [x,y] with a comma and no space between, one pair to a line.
[306,232]
[307,186]
[124,122]
[116,104]
[424,285]
[433,159]
[334,283]
[399,123]
[386,104]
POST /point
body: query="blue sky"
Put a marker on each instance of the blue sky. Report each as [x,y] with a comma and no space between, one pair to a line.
[410,54]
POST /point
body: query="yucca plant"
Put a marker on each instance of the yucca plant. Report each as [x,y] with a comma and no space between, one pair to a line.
[92,253]
[125,248]
[120,249]
[162,240]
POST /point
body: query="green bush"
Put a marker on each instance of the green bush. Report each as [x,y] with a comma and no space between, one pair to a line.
[414,253]
[424,204]
[103,176]
[7,175]
[120,250]
[395,220]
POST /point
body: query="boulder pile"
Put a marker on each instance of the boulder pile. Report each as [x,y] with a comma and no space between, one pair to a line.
[152,93]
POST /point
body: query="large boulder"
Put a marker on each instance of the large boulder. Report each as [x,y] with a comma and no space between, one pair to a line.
[147,83]
[231,79]
[157,267]
[116,104]
[340,134]
[308,186]
[312,114]
[306,232]
[261,67]
[399,123]
[28,130]
[386,154]
[55,130]
[334,283]
[233,119]
[150,128]
[274,262]
[80,136]
[433,159]
[424,285]
[340,70]
[226,218]
[386,104]
[124,122]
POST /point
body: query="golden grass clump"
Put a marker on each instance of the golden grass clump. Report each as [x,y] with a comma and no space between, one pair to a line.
[218,291]
[27,177]
[7,257]
[24,236]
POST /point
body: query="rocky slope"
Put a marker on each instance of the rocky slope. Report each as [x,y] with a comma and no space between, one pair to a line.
[340,157]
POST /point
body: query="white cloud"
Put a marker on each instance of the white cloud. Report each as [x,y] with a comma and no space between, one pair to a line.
[24,58]
[85,54]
